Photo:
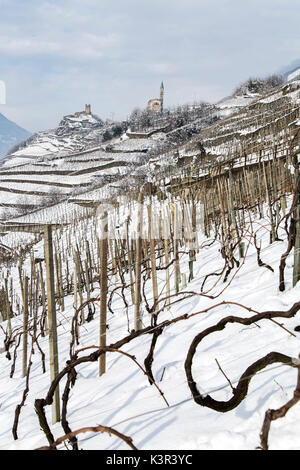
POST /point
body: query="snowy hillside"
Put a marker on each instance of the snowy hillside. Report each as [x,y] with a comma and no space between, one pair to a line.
[74,133]
[72,161]
[124,399]
[83,154]
[168,271]
[249,118]
[53,165]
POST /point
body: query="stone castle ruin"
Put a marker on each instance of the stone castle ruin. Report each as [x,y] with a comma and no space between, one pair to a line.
[86,112]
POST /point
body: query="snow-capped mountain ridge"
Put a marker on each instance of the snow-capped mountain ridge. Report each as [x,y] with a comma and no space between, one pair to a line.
[10,134]
[294,75]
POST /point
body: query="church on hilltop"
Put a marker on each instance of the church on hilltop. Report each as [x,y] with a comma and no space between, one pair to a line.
[157,104]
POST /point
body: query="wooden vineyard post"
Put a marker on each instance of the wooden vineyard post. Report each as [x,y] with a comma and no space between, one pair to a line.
[25,326]
[61,290]
[232,209]
[103,289]
[45,322]
[79,286]
[75,296]
[190,230]
[88,292]
[272,233]
[90,266]
[176,229]
[53,349]
[166,247]
[113,261]
[128,247]
[57,278]
[296,270]
[223,220]
[138,259]
[8,310]
[153,260]
[36,303]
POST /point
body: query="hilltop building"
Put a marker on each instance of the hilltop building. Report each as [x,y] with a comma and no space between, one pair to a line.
[157,104]
[87,111]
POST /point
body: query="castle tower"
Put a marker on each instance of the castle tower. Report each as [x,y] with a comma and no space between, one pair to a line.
[88,109]
[162,96]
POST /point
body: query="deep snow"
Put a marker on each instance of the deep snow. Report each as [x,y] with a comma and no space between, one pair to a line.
[123,398]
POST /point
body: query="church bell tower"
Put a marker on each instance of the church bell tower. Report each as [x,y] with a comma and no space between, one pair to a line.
[162,96]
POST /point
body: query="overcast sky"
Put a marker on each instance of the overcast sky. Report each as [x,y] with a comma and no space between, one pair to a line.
[57,55]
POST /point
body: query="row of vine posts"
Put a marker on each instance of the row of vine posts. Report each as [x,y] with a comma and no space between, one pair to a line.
[221,201]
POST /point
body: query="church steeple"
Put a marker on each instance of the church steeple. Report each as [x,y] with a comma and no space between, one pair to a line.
[157,104]
[162,95]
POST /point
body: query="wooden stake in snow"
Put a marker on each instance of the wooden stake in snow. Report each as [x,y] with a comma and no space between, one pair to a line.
[61,290]
[153,260]
[25,326]
[45,322]
[166,247]
[296,271]
[137,311]
[8,309]
[268,196]
[78,283]
[103,289]
[176,228]
[54,368]
[128,247]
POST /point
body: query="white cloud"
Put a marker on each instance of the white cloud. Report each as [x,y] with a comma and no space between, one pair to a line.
[26,46]
[84,45]
[115,54]
[65,12]
[162,68]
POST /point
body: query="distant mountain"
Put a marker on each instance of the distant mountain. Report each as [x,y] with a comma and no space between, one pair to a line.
[292,70]
[10,134]
[294,74]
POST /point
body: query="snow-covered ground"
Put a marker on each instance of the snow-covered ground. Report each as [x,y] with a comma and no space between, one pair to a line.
[123,397]
[233,103]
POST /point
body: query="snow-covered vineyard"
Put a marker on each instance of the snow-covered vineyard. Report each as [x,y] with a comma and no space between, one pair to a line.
[149,290]
[123,397]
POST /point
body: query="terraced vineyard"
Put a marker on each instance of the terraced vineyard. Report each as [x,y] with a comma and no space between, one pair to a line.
[134,255]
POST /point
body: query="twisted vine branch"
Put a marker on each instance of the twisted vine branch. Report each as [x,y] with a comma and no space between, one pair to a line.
[241,390]
[99,428]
